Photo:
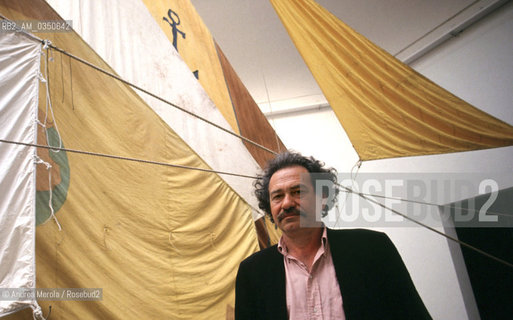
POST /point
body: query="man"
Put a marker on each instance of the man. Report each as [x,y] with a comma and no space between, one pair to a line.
[315,272]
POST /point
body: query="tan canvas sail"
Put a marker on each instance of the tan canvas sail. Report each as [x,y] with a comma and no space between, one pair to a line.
[129,39]
[192,39]
[387,109]
[154,238]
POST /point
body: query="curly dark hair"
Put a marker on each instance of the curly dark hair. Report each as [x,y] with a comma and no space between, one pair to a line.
[290,159]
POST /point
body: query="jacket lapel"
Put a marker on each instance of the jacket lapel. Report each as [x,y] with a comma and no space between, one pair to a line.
[351,277]
[275,279]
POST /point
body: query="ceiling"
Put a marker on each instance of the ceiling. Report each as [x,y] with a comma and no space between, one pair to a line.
[261,52]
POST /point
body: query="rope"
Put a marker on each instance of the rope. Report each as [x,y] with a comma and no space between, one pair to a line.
[426,203]
[48,101]
[253,177]
[469,246]
[356,168]
[46,81]
[45,42]
[125,158]
[37,313]
[50,192]
[162,99]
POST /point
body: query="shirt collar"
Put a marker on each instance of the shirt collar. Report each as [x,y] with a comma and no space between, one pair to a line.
[282,245]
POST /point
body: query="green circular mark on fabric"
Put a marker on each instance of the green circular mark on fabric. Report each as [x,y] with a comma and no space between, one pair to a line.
[60,191]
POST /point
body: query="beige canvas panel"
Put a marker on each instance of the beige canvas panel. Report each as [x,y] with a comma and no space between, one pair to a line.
[154,238]
[129,39]
[185,28]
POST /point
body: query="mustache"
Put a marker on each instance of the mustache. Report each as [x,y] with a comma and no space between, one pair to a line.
[289,212]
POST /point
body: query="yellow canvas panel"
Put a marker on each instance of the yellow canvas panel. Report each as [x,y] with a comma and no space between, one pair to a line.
[387,109]
[161,242]
[193,41]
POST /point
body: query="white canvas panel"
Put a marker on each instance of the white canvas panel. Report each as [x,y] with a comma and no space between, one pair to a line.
[19,71]
[128,38]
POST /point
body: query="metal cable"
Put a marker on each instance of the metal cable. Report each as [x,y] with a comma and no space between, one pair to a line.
[426,203]
[162,99]
[124,158]
[469,246]
[145,91]
[363,196]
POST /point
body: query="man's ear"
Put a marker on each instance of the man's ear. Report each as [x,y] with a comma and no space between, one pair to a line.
[324,204]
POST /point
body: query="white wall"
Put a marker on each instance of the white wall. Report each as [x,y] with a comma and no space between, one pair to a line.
[477,66]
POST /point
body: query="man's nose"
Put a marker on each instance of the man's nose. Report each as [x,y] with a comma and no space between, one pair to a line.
[288,201]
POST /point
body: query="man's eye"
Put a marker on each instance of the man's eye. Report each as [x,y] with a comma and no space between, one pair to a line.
[276,197]
[298,191]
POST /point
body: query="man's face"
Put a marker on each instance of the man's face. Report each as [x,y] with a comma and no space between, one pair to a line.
[291,195]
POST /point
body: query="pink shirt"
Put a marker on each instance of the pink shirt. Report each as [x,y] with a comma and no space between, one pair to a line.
[316,294]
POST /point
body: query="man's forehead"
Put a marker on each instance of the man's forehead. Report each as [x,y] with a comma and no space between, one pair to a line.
[289,177]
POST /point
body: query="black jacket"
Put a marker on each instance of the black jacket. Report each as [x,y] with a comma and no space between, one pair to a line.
[373,280]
